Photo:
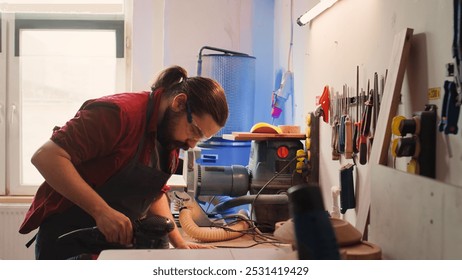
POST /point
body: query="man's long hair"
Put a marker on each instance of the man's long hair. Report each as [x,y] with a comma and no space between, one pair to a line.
[205,95]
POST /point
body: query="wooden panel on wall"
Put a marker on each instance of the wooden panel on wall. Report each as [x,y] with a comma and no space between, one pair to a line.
[414,217]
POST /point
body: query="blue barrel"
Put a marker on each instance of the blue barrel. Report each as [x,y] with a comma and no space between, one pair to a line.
[224,153]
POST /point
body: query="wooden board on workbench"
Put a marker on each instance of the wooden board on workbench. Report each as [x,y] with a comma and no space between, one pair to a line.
[243,136]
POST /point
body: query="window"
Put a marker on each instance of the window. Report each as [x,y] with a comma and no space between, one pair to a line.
[50,63]
[2,107]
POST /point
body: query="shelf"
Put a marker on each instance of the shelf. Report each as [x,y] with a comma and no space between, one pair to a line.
[244,136]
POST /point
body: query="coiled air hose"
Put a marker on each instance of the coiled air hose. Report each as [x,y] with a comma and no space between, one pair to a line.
[209,234]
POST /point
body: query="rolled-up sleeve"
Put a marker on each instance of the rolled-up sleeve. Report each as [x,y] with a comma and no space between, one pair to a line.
[92,133]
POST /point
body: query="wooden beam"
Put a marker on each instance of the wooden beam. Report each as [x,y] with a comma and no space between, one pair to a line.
[244,136]
[388,109]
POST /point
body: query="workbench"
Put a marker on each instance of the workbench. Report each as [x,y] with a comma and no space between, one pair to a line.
[242,248]
[236,250]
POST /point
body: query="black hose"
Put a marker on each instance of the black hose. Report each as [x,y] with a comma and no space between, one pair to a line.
[248,199]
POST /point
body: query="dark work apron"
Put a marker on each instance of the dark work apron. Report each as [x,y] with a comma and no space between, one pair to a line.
[130,191]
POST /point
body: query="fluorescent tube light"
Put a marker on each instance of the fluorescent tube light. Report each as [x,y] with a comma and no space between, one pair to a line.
[315,11]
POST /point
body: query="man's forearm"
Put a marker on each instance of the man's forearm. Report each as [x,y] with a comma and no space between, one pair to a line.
[56,167]
[161,207]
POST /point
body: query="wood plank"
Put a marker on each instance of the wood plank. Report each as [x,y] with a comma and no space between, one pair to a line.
[244,136]
[16,199]
[388,109]
[272,253]
[391,96]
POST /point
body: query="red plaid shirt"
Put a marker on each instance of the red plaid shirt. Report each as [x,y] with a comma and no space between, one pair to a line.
[101,139]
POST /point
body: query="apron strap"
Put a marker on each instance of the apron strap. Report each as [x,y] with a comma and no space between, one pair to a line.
[31,241]
[149,110]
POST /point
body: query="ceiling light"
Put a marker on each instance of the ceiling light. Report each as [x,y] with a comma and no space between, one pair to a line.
[315,11]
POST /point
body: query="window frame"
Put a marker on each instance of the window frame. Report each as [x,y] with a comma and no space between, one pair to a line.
[15,22]
[70,21]
[2,105]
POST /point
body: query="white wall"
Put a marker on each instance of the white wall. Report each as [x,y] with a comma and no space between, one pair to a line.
[358,32]
[286,13]
[167,33]
[144,56]
[325,52]
[190,25]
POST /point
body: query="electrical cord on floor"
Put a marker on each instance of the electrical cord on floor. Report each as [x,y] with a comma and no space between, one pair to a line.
[257,236]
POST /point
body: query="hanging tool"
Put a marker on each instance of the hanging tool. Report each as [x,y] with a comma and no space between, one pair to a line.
[375,105]
[374,116]
[422,142]
[457,48]
[362,98]
[405,146]
[281,95]
[341,134]
[365,131]
[331,108]
[383,78]
[335,129]
[357,122]
[347,188]
[348,129]
[450,111]
[324,105]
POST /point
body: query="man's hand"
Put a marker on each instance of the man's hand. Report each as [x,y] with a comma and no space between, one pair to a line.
[116,227]
[55,165]
[192,245]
